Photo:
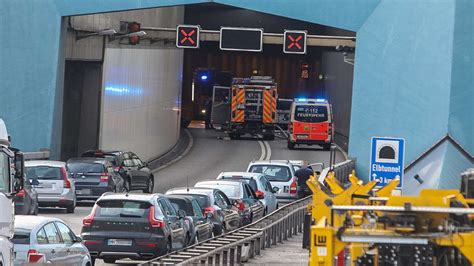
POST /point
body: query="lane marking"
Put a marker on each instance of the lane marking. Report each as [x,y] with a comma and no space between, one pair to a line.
[262,149]
[269,150]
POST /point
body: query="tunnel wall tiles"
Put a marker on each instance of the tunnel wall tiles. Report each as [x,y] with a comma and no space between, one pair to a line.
[141,100]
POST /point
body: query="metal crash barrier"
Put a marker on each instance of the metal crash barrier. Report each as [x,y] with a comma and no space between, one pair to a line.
[245,242]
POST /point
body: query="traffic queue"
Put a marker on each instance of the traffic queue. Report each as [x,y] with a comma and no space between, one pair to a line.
[140,225]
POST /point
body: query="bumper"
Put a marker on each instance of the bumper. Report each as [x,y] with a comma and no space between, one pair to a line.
[309,141]
[251,128]
[95,192]
[141,249]
[63,199]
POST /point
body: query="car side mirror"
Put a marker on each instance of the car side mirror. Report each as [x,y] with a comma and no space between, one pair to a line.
[181,214]
[19,163]
[275,189]
[78,239]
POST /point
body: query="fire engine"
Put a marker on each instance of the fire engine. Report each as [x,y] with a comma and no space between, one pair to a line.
[253,107]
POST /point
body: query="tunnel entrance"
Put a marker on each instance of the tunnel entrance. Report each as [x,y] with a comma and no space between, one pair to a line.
[125,92]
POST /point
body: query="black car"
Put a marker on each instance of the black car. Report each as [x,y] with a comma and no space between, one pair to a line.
[135,226]
[241,196]
[223,215]
[135,172]
[93,177]
[201,225]
[26,200]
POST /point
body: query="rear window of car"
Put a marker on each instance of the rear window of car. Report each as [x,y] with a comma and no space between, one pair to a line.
[203,200]
[82,167]
[123,208]
[180,204]
[231,191]
[21,238]
[272,172]
[311,113]
[43,172]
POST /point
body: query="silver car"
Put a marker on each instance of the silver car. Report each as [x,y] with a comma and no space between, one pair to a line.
[281,174]
[39,239]
[260,184]
[54,187]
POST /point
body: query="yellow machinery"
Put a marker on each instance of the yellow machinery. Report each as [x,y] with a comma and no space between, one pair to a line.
[359,226]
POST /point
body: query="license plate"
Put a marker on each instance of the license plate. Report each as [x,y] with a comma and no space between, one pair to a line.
[83,191]
[119,242]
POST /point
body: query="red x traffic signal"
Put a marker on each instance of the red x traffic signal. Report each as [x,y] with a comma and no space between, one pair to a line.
[187,36]
[294,42]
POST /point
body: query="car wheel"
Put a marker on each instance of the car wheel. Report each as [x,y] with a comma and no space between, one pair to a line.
[71,208]
[291,145]
[150,185]
[109,260]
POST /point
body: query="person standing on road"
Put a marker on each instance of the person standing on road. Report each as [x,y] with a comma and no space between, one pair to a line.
[302,175]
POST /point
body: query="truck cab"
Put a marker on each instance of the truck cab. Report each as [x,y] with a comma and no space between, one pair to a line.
[11,181]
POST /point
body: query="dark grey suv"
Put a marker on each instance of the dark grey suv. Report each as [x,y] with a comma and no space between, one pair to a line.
[135,172]
[135,226]
[93,177]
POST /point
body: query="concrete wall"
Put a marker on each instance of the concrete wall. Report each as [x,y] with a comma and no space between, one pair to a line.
[141,100]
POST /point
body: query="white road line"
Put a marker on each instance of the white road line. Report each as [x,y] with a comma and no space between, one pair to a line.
[269,150]
[262,148]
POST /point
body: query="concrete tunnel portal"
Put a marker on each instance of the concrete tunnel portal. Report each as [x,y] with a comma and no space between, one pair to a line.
[110,83]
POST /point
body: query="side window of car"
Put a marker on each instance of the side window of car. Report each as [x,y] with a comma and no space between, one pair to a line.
[170,207]
[219,200]
[65,232]
[250,192]
[197,209]
[52,234]
[164,207]
[267,184]
[41,237]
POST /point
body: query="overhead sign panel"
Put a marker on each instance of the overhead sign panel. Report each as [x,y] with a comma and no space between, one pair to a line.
[386,160]
[187,36]
[294,42]
[241,39]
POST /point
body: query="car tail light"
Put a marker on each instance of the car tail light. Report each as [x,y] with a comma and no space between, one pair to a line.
[92,242]
[104,178]
[34,255]
[293,186]
[146,244]
[209,209]
[155,223]
[260,194]
[87,221]
[21,193]
[67,182]
[239,204]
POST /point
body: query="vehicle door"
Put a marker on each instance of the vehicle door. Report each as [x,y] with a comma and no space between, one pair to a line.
[53,248]
[220,114]
[299,126]
[269,194]
[142,170]
[50,179]
[175,224]
[73,249]
[132,171]
[200,221]
[231,216]
[319,121]
[256,207]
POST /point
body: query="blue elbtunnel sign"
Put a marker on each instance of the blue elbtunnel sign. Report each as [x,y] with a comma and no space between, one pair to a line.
[386,159]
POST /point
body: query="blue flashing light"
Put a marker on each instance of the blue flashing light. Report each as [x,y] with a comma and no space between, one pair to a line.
[320,100]
[204,77]
[301,99]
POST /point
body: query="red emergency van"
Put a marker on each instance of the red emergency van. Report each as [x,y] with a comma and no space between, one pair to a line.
[310,123]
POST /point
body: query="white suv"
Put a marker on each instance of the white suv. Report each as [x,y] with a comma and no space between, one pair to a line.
[281,174]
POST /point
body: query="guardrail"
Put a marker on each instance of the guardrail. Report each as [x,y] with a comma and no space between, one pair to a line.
[244,242]
[343,170]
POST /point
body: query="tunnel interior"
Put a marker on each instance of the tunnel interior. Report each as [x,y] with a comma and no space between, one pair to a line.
[119,95]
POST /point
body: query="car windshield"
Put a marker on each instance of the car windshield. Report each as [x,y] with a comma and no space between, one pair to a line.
[272,172]
[311,113]
[123,208]
[43,172]
[4,172]
[82,167]
[21,238]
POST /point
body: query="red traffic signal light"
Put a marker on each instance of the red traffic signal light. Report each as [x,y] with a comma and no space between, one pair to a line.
[187,36]
[134,27]
[294,42]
